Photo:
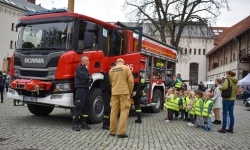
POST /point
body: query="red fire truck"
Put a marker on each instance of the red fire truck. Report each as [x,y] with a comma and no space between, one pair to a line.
[49,48]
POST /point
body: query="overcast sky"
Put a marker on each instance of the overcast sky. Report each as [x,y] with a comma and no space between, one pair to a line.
[112,10]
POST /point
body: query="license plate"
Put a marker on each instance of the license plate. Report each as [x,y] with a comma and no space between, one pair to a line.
[29,99]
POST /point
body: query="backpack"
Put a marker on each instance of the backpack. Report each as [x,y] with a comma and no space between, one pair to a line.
[1,82]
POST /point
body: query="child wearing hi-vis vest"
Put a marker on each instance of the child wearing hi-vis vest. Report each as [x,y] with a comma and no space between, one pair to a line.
[169,99]
[184,112]
[191,107]
[199,109]
[207,110]
[182,109]
[176,103]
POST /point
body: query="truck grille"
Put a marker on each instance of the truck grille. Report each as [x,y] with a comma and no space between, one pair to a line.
[17,62]
[34,73]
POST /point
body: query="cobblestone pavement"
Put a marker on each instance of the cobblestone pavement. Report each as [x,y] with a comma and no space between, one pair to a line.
[19,129]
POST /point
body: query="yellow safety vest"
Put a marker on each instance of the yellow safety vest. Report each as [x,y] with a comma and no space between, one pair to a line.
[186,102]
[169,102]
[178,84]
[183,103]
[192,111]
[176,102]
[198,109]
[159,64]
[205,108]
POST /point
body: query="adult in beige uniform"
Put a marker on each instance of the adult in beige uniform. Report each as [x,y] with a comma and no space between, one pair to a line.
[122,84]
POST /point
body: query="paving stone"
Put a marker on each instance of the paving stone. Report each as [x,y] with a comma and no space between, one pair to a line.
[22,130]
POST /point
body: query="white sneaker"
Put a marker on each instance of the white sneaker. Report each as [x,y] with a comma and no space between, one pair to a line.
[190,124]
[167,120]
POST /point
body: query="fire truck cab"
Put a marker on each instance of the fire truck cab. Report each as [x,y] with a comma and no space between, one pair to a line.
[49,48]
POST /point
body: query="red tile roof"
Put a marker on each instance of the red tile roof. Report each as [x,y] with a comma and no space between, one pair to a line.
[230,33]
[219,38]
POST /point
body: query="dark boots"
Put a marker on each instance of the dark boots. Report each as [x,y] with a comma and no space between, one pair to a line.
[217,122]
[106,122]
[75,126]
[84,124]
[138,120]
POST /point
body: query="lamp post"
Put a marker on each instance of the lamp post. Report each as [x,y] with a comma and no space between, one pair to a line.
[71,5]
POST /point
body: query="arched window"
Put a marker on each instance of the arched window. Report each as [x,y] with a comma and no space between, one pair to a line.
[193,74]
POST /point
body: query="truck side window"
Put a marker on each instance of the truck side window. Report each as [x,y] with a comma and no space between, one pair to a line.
[118,44]
[82,30]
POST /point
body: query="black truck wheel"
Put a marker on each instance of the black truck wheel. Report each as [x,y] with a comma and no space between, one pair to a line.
[97,106]
[40,110]
[157,98]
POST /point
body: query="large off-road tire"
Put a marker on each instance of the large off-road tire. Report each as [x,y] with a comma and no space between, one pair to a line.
[40,110]
[97,106]
[157,98]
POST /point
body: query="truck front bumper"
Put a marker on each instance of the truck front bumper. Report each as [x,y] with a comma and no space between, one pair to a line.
[58,100]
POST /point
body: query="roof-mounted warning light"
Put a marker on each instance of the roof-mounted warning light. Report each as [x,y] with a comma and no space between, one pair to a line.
[59,10]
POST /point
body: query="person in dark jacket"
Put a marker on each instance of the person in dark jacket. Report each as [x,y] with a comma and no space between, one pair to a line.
[106,95]
[82,83]
[137,95]
[2,83]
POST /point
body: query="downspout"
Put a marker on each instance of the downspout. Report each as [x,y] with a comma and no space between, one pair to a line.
[238,61]
[206,55]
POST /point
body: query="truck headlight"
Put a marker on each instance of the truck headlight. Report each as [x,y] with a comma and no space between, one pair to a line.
[63,87]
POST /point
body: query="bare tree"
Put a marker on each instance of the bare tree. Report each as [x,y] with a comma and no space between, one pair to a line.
[168,18]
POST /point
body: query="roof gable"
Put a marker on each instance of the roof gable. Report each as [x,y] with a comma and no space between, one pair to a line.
[231,33]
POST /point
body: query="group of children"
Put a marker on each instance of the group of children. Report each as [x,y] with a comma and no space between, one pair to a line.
[193,106]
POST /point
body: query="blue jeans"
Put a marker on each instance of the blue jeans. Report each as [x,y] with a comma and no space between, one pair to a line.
[228,106]
[209,122]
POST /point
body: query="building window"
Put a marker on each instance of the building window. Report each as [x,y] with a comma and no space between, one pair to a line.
[12,26]
[226,60]
[190,51]
[194,51]
[193,73]
[233,56]
[204,52]
[199,52]
[221,62]
[185,51]
[11,44]
[15,45]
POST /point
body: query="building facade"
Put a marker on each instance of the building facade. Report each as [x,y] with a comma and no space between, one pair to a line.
[10,12]
[195,42]
[232,51]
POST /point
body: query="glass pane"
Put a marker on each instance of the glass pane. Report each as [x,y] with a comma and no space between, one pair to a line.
[46,36]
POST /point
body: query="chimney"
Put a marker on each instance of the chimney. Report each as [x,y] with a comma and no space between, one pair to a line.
[32,1]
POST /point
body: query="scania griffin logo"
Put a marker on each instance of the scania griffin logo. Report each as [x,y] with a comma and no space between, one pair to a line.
[34,60]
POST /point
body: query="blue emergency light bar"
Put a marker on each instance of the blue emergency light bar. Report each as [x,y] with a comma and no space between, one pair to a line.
[31,13]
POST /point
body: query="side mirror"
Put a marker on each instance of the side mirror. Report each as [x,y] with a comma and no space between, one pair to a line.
[88,40]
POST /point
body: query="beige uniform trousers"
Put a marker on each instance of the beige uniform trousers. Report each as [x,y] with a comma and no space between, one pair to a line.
[120,103]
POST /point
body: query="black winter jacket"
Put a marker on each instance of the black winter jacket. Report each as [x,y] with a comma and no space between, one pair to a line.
[138,90]
[82,77]
[105,85]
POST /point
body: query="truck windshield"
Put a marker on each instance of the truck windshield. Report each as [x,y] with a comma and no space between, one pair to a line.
[46,36]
